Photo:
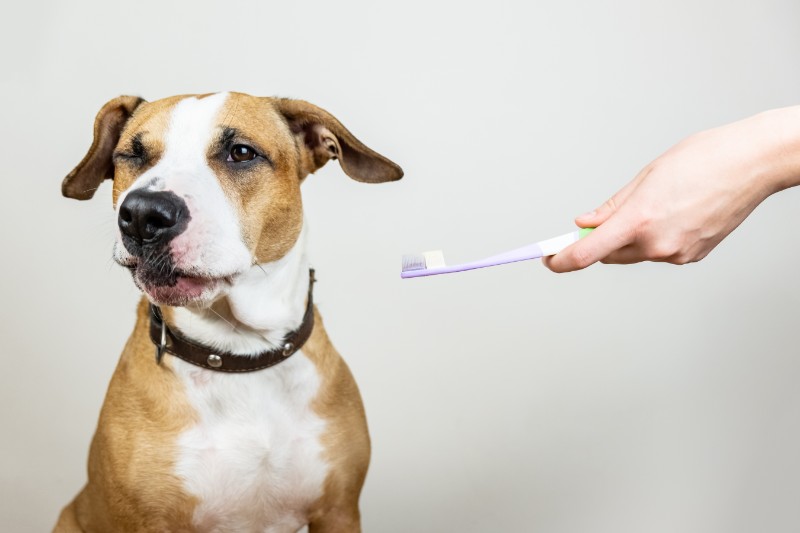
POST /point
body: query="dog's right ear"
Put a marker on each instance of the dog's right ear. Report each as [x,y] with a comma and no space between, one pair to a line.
[97,164]
[325,138]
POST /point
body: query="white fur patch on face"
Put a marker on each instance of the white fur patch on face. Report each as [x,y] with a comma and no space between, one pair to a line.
[254,458]
[212,245]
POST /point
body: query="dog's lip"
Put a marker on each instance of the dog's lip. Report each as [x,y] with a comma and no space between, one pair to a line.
[182,288]
[189,283]
[190,279]
[134,263]
[187,278]
[185,290]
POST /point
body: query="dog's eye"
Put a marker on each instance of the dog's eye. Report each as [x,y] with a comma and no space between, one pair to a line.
[241,152]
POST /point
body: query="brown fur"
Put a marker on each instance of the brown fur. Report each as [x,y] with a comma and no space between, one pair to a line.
[131,485]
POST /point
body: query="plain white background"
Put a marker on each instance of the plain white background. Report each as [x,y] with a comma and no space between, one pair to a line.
[648,398]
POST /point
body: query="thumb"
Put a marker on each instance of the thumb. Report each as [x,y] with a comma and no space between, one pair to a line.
[607,238]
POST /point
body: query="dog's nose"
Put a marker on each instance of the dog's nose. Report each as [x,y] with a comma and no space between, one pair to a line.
[148,217]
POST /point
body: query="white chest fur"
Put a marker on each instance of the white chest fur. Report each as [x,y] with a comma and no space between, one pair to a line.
[254,458]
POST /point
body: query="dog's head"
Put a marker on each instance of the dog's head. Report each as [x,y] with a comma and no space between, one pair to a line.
[207,186]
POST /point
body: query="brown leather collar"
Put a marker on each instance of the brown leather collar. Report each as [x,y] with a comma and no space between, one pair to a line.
[167,340]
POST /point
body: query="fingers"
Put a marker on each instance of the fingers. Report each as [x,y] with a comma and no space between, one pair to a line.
[612,233]
[627,255]
[592,219]
[606,239]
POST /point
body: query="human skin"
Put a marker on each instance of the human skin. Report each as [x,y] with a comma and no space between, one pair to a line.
[680,206]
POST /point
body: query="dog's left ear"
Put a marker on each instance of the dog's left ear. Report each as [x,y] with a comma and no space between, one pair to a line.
[326,138]
[97,165]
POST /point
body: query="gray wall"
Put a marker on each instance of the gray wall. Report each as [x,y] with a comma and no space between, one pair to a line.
[649,398]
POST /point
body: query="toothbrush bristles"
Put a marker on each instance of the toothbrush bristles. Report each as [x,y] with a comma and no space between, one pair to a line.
[413,262]
[423,261]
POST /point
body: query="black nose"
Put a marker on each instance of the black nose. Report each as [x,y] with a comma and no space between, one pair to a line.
[149,217]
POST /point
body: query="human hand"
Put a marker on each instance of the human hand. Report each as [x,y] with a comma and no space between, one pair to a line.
[680,206]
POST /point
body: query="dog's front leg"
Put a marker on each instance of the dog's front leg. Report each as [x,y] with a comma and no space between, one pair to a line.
[338,521]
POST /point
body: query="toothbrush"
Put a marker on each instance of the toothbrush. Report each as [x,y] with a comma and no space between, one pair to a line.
[432,263]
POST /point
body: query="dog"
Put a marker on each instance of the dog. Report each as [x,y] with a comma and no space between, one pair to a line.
[229,409]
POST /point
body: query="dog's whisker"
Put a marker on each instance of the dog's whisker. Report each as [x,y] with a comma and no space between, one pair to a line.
[256,263]
[233,327]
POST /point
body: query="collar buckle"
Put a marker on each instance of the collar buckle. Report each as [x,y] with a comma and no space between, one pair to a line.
[161,346]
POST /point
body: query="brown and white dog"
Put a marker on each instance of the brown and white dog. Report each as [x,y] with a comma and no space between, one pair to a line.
[207,194]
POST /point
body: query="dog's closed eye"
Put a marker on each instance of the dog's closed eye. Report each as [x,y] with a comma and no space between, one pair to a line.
[136,152]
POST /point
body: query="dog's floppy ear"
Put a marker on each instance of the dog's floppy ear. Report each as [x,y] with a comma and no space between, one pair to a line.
[97,165]
[326,138]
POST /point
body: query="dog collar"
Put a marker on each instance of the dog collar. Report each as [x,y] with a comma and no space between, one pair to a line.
[168,340]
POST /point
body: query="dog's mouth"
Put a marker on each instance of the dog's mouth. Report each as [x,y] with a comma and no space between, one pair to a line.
[166,285]
[185,290]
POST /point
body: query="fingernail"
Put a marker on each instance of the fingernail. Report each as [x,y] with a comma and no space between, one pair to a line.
[590,214]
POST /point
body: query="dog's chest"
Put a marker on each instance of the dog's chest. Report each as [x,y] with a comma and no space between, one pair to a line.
[254,458]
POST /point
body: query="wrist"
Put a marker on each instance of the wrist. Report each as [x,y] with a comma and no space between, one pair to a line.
[776,134]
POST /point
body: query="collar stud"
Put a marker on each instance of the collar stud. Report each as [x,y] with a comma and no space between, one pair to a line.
[288,349]
[214,361]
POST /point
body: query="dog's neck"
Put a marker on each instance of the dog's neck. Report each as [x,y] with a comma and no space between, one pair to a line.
[260,308]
